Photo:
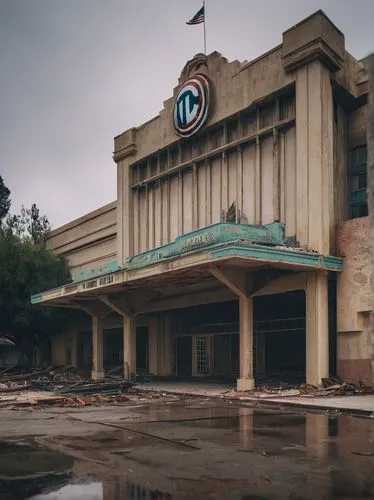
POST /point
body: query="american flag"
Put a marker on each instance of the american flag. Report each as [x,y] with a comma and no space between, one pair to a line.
[198,18]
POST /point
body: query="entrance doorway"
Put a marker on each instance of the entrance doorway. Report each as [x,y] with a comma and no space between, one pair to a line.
[280,337]
[202,356]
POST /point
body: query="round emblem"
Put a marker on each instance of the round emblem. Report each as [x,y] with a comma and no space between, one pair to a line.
[191,105]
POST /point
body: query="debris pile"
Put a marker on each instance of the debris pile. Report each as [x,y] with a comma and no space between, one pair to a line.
[331,386]
[62,386]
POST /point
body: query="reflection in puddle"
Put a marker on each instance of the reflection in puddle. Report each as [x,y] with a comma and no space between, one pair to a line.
[241,453]
[113,490]
[92,491]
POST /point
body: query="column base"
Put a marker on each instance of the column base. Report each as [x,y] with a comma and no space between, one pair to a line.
[97,375]
[245,384]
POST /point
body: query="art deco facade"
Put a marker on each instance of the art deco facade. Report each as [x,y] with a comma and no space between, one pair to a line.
[238,243]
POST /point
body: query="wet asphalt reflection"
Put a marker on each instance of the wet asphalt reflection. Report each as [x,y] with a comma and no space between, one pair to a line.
[195,449]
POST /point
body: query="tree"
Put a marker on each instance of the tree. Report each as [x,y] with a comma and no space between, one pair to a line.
[27,268]
[29,225]
[4,200]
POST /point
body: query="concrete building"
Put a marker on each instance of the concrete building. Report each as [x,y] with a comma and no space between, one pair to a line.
[238,244]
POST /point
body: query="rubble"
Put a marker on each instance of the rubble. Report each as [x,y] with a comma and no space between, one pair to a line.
[332,386]
[62,386]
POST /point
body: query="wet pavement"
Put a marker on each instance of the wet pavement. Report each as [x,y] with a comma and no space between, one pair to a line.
[185,448]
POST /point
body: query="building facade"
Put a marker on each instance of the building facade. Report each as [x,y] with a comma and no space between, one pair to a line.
[238,244]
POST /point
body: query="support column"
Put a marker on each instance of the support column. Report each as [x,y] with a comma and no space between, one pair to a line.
[97,349]
[246,380]
[317,328]
[238,281]
[153,345]
[129,348]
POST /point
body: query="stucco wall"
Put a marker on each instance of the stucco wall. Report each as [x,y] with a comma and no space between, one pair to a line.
[354,302]
[236,86]
[87,242]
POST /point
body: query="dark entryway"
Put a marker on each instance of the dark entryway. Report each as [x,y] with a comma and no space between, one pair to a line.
[142,348]
[226,356]
[183,356]
[280,336]
[206,339]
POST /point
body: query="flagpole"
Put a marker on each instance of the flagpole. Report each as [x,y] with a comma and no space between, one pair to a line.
[204,28]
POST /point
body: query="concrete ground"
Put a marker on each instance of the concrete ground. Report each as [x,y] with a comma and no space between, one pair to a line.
[350,404]
[184,447]
[192,388]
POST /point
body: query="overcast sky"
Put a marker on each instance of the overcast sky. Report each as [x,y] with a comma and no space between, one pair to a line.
[75,73]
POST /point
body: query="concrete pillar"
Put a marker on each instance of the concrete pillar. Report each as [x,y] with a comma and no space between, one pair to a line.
[153,345]
[317,328]
[246,380]
[314,155]
[166,347]
[97,349]
[74,348]
[129,347]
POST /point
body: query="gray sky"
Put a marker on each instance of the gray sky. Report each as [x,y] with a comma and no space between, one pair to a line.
[75,73]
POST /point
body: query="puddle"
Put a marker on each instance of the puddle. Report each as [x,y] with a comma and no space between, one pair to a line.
[212,452]
[26,469]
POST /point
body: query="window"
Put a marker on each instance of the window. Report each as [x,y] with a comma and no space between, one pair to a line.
[174,156]
[267,115]
[287,107]
[186,150]
[216,137]
[142,172]
[232,130]
[153,166]
[249,122]
[163,161]
[358,182]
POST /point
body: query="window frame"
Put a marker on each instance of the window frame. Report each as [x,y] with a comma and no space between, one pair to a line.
[357,171]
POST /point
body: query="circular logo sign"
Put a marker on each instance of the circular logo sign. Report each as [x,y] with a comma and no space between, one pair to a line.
[191,105]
